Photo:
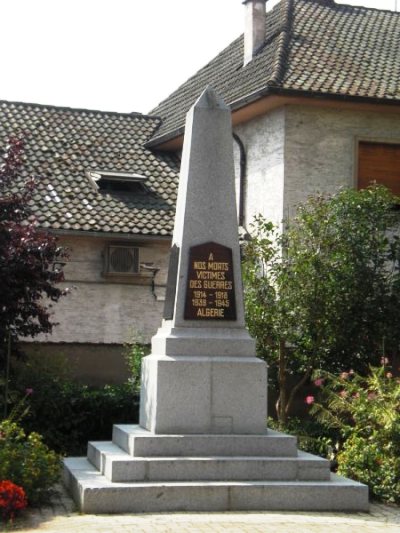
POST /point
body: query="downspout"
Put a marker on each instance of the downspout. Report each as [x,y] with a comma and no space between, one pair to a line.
[242,177]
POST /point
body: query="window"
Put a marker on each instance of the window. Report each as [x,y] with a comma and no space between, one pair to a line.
[380,163]
[118,182]
[122,260]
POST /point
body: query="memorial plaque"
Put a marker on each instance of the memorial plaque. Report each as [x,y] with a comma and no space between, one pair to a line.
[210,292]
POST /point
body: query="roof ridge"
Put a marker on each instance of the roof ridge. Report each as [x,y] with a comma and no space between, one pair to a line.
[286,11]
[79,109]
[366,8]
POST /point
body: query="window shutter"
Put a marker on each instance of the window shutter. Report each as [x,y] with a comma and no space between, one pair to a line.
[380,163]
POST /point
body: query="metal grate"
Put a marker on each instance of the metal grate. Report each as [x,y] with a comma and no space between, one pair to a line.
[123,259]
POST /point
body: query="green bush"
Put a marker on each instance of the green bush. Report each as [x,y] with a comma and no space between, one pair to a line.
[134,352]
[68,415]
[366,411]
[27,461]
[312,436]
[65,413]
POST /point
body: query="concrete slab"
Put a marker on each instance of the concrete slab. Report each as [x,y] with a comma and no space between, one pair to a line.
[95,494]
[205,341]
[117,466]
[140,442]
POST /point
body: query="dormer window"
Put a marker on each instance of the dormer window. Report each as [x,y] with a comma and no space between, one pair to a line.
[123,182]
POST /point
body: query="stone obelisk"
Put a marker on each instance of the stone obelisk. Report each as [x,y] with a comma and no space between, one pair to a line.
[202,375]
[202,444]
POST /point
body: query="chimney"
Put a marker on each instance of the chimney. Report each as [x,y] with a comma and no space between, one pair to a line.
[254,32]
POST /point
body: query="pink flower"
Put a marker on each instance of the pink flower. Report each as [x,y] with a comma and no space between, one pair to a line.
[389,375]
[28,392]
[384,361]
[343,394]
[309,400]
[356,395]
[371,396]
[344,375]
[319,382]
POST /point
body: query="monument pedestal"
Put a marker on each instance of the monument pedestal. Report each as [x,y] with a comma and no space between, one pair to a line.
[203,395]
[202,444]
[203,380]
[140,471]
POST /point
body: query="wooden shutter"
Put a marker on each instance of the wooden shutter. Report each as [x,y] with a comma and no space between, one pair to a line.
[380,163]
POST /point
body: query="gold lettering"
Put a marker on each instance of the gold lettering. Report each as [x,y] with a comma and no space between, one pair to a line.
[221,295]
[194,284]
[218,266]
[219,285]
[200,294]
[199,302]
[205,274]
[199,265]
[218,313]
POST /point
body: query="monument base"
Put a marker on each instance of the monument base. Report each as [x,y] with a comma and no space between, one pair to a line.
[188,341]
[140,471]
[203,395]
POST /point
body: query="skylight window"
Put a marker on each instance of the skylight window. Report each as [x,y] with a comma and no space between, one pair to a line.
[118,182]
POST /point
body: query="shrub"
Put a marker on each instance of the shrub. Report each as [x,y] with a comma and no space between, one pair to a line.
[12,499]
[325,292]
[312,436]
[27,461]
[366,411]
[69,414]
[134,352]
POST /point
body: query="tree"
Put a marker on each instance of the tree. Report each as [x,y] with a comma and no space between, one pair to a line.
[325,292]
[27,257]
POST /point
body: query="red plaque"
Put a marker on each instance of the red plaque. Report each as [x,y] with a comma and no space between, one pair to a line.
[210,291]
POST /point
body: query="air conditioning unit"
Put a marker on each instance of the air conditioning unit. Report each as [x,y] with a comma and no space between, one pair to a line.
[122,260]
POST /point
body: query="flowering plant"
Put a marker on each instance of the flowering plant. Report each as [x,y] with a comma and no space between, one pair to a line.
[366,411]
[12,499]
[27,461]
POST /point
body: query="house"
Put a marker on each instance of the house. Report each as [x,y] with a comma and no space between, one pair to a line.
[314,88]
[111,202]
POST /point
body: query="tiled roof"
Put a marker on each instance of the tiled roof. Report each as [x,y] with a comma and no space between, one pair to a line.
[312,47]
[62,144]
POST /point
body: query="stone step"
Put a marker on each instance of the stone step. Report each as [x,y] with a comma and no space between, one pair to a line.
[94,493]
[118,466]
[139,442]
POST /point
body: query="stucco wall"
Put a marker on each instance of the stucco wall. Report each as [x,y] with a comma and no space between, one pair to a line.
[321,148]
[99,310]
[263,139]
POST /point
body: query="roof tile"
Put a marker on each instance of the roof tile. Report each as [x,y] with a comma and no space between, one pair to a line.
[312,46]
[62,144]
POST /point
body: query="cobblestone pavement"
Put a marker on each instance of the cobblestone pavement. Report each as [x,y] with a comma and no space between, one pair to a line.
[62,517]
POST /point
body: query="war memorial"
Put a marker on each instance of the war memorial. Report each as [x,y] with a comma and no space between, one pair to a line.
[202,442]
